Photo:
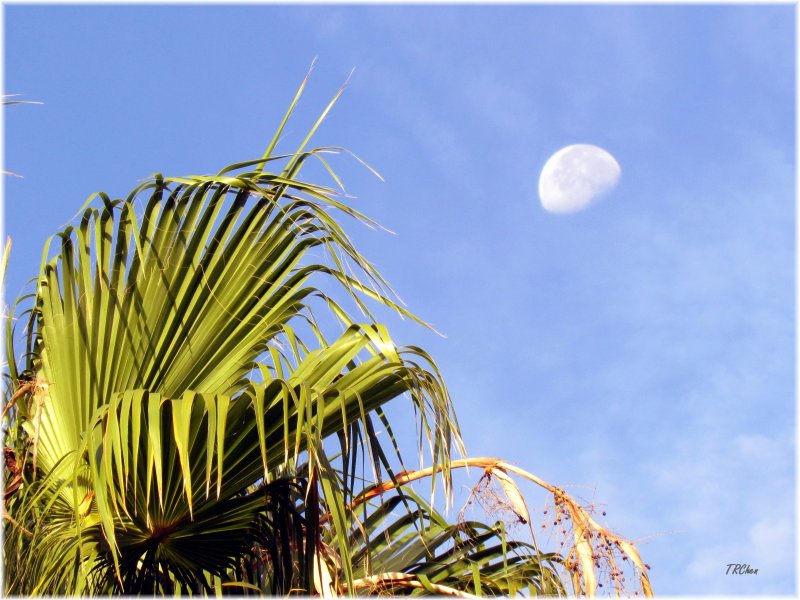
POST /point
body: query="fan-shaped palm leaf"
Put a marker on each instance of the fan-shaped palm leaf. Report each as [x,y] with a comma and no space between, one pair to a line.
[172,391]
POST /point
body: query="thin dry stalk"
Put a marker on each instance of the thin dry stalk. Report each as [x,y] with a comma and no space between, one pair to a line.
[11,520]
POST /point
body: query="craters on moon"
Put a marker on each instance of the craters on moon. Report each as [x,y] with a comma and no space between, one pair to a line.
[576,176]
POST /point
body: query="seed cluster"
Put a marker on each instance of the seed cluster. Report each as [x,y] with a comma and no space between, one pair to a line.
[571,526]
[606,549]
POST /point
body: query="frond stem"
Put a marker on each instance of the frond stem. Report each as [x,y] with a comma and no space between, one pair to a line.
[406,580]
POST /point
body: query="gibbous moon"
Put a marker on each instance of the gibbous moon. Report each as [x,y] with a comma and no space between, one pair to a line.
[575,176]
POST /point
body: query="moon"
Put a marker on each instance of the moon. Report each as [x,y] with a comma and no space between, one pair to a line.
[576,176]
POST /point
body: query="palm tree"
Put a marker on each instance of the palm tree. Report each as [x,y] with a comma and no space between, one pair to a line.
[182,420]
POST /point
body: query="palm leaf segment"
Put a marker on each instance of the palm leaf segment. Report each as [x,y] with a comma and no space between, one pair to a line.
[178,418]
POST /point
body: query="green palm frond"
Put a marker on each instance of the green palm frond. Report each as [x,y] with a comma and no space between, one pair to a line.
[172,380]
[468,556]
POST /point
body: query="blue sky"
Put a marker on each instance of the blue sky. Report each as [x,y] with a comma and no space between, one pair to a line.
[640,352]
